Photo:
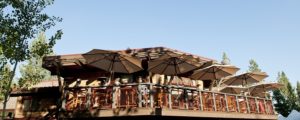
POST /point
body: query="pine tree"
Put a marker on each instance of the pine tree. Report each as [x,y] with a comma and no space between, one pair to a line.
[291,98]
[285,98]
[282,78]
[225,59]
[298,95]
[253,67]
[281,104]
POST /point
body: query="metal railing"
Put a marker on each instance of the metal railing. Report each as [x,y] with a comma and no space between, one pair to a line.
[147,95]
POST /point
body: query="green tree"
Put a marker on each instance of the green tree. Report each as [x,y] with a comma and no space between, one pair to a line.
[20,21]
[2,61]
[253,67]
[281,104]
[285,98]
[225,59]
[32,72]
[298,95]
[4,77]
[282,78]
[291,98]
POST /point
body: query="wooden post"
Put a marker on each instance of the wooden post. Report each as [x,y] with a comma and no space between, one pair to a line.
[63,105]
[248,107]
[115,102]
[88,98]
[151,95]
[273,108]
[140,95]
[186,99]
[114,97]
[214,100]
[226,102]
[237,103]
[265,105]
[170,97]
[256,103]
[200,98]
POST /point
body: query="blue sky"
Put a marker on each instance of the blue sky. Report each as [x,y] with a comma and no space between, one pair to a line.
[265,30]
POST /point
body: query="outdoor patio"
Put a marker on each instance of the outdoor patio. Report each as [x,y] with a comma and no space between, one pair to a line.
[156,82]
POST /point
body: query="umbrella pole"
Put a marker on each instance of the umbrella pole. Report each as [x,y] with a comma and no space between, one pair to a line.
[215,80]
[111,77]
[176,75]
[245,81]
[111,69]
[219,84]
[212,84]
[175,65]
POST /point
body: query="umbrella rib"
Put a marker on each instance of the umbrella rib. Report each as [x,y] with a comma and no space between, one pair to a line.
[156,65]
[164,68]
[107,61]
[187,61]
[215,72]
[232,81]
[175,65]
[201,75]
[124,66]
[96,60]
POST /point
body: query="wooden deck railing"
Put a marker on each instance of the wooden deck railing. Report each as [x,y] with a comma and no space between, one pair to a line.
[146,95]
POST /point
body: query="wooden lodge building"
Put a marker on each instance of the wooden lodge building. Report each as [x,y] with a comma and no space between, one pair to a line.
[88,93]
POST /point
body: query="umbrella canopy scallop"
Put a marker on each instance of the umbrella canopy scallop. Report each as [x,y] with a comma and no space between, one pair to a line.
[112,61]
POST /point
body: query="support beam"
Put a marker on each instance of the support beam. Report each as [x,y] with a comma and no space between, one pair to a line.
[88,98]
[237,103]
[151,96]
[214,100]
[186,102]
[115,96]
[266,108]
[140,95]
[257,107]
[247,102]
[170,97]
[226,102]
[63,104]
[200,98]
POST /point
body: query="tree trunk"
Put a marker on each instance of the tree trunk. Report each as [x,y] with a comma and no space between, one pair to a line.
[7,93]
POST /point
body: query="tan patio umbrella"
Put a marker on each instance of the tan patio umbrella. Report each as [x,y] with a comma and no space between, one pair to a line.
[112,61]
[245,78]
[233,89]
[214,72]
[260,89]
[173,64]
